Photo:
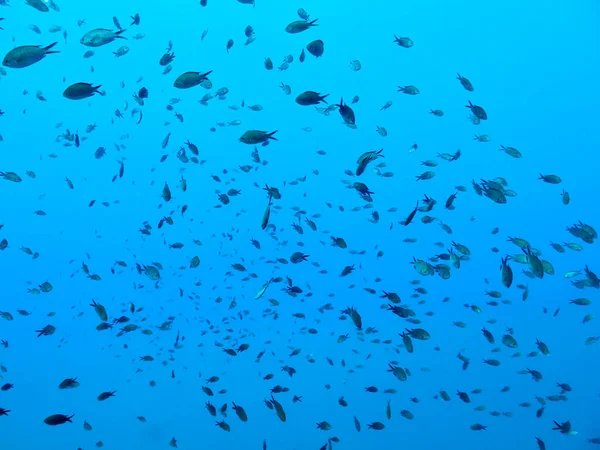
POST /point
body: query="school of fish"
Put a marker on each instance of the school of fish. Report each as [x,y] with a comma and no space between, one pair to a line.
[214,315]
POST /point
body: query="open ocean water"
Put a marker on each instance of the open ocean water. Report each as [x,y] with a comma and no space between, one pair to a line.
[277,226]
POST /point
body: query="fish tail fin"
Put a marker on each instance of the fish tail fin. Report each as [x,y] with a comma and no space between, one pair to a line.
[313,24]
[322,98]
[95,88]
[271,135]
[118,34]
[49,47]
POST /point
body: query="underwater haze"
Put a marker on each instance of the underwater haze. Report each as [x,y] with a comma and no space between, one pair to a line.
[269,225]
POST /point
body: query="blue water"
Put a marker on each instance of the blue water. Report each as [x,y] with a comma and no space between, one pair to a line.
[534,67]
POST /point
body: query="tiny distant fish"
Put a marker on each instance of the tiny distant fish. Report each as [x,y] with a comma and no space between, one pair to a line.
[263,289]
[303,14]
[100,152]
[316,48]
[165,141]
[121,51]
[404,42]
[286,89]
[382,131]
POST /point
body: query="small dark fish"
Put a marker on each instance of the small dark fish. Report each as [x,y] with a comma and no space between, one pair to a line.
[79,91]
[257,137]
[316,48]
[311,98]
[190,79]
[298,26]
[58,419]
[347,113]
[477,111]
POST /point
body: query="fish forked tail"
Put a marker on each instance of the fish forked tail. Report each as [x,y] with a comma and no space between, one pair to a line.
[95,88]
[118,34]
[48,49]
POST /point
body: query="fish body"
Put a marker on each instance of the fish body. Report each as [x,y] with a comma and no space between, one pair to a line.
[310,98]
[100,36]
[298,26]
[257,137]
[40,5]
[263,289]
[79,91]
[190,79]
[26,55]
[347,113]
